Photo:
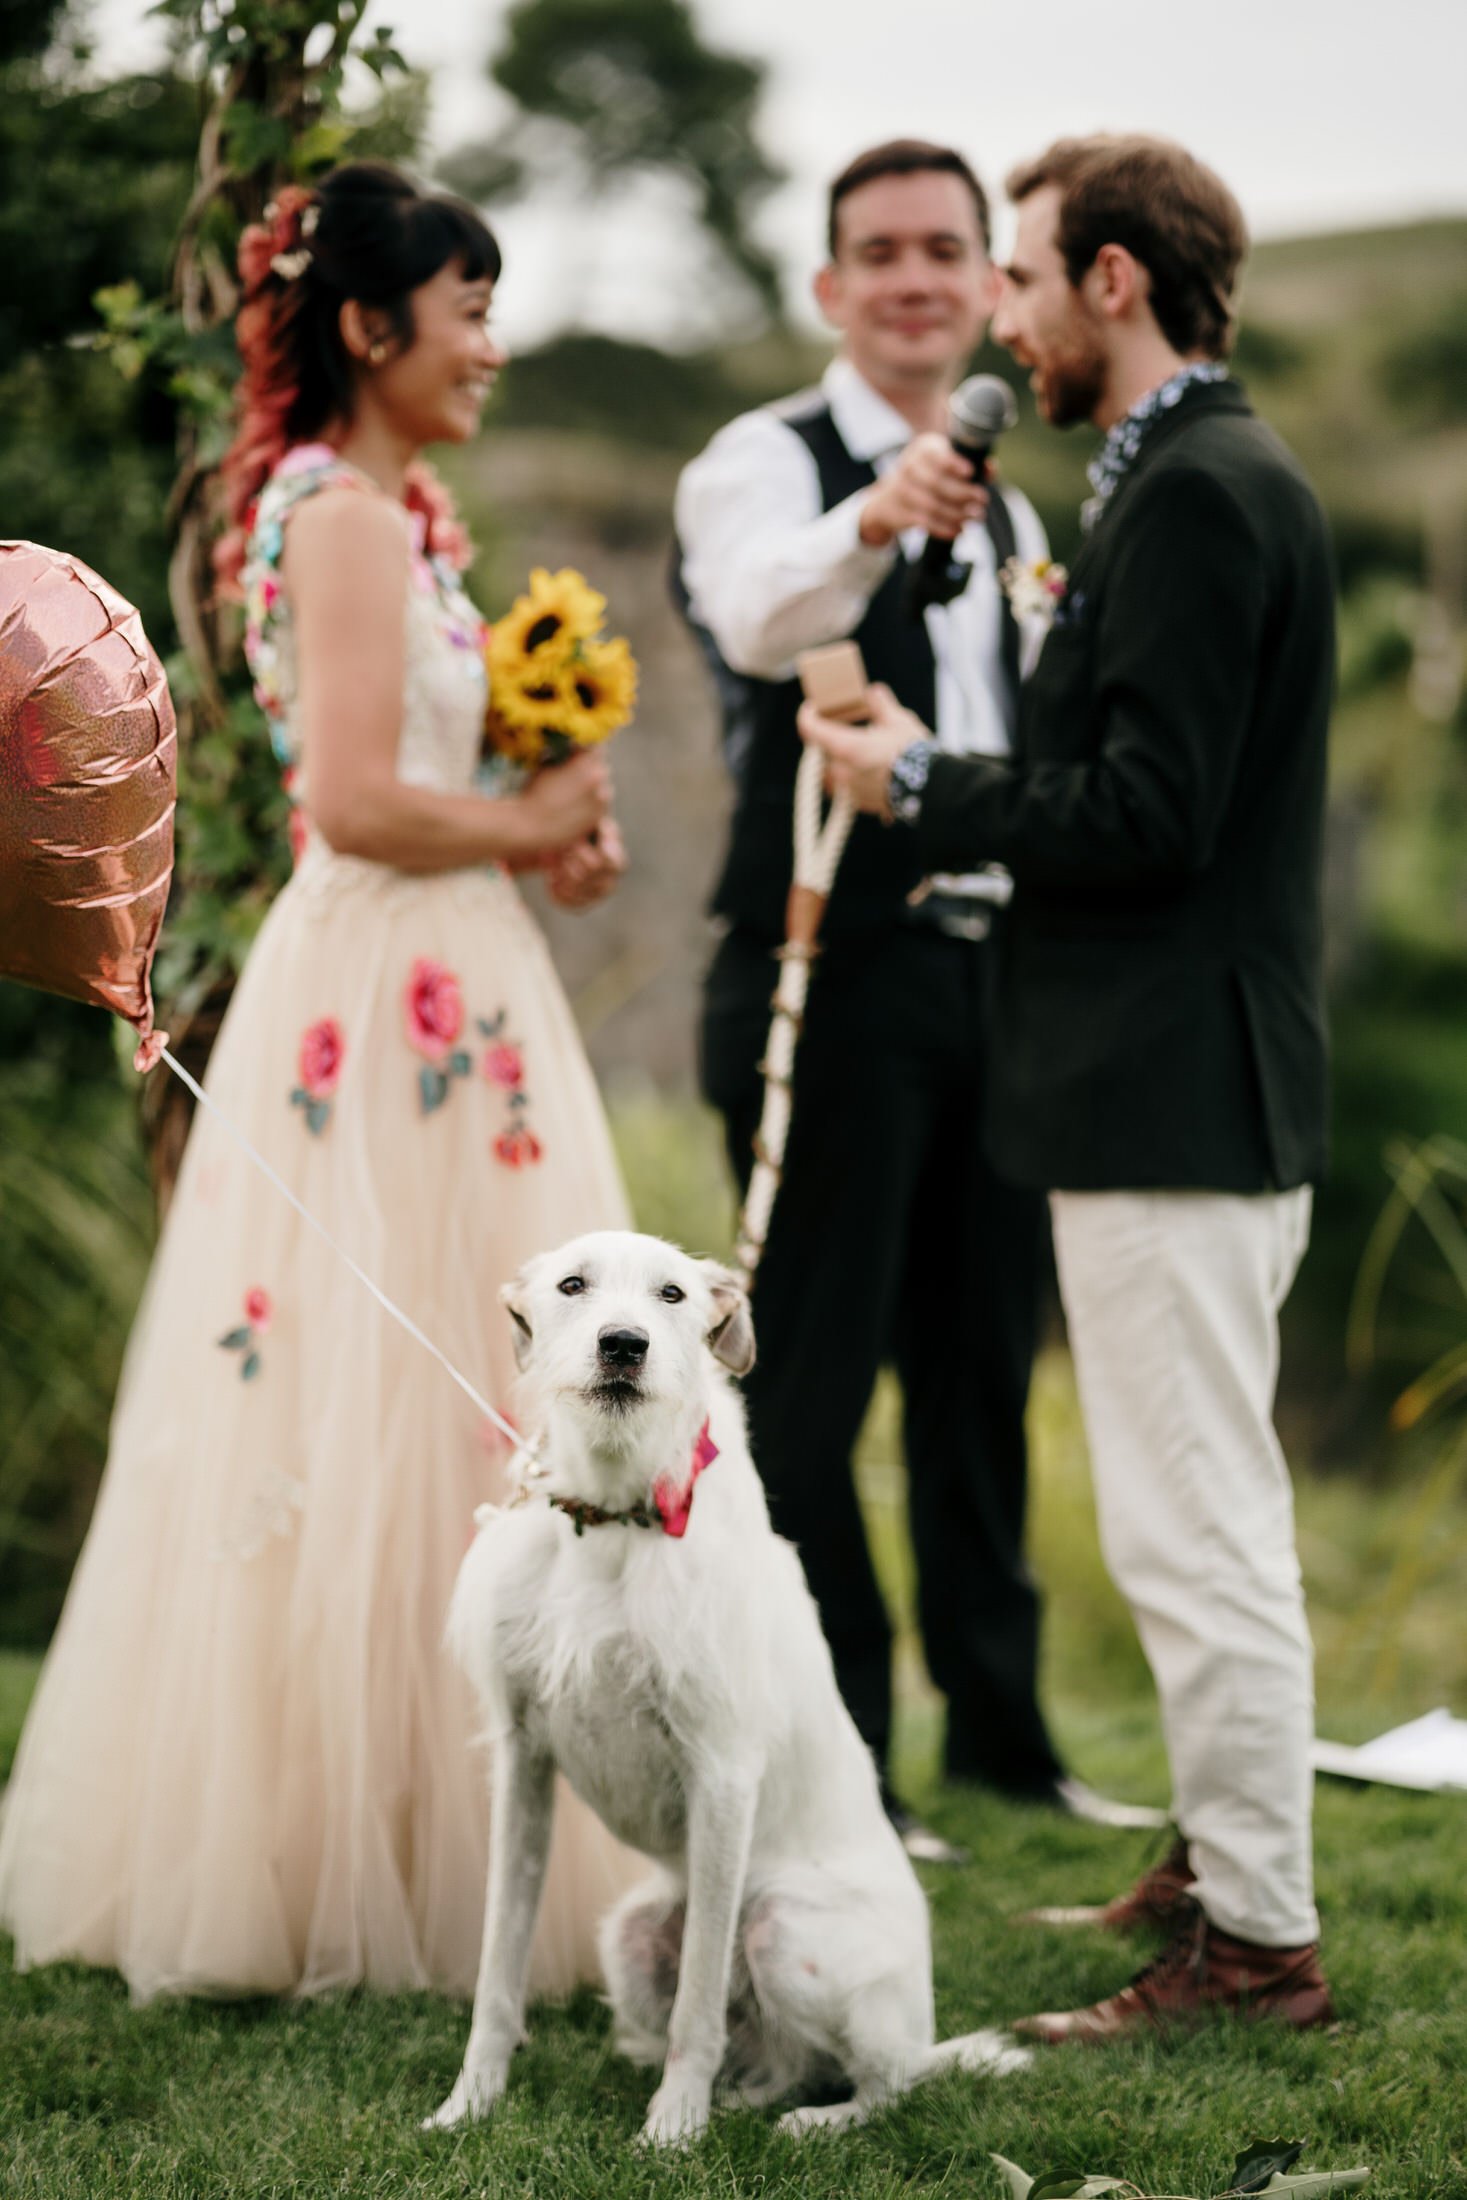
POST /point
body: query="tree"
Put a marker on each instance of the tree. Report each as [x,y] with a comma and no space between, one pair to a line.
[612,89]
[270,115]
[93,184]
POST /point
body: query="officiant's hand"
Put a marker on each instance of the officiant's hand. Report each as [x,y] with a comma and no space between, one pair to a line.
[859,758]
[931,486]
[585,873]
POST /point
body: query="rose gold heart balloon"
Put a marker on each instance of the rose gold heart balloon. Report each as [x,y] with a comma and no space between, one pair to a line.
[88,756]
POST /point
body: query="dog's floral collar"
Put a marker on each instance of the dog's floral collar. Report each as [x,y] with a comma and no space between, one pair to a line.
[672,1502]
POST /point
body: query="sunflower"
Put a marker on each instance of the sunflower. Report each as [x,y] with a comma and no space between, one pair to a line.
[529,703]
[559,611]
[602,679]
[521,744]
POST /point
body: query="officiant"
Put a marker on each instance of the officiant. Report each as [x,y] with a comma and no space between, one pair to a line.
[892,1238]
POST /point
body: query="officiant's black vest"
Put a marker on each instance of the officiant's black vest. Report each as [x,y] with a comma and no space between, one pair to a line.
[879,868]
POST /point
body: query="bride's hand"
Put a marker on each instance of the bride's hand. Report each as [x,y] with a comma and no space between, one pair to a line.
[564,803]
[585,873]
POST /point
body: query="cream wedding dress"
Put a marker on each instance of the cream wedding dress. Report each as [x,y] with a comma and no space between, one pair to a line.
[250,1766]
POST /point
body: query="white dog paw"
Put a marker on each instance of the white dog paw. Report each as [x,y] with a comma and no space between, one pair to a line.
[797,2123]
[470,2101]
[997,2054]
[676,2117]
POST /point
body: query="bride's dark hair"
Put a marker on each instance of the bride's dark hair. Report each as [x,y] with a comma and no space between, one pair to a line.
[365,232]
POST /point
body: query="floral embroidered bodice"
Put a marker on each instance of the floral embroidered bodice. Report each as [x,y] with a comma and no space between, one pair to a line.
[444,684]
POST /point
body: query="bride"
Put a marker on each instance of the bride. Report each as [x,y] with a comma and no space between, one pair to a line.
[249,1767]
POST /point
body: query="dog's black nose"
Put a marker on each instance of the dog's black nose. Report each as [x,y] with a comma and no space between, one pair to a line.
[622,1347]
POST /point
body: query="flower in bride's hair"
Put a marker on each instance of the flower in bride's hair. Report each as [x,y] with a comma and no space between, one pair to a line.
[603,680]
[559,611]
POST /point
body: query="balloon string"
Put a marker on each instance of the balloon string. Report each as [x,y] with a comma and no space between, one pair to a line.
[404,1321]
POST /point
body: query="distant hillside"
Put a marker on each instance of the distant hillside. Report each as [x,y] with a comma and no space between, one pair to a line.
[1353,344]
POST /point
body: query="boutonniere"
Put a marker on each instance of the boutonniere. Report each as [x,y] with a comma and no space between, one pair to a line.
[1035,587]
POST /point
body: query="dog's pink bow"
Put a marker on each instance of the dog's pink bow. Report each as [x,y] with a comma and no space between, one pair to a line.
[675,1504]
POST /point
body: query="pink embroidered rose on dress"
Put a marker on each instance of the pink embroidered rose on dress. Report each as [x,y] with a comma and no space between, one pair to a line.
[517,1146]
[322,1052]
[322,1049]
[245,1338]
[434,1007]
[504,1064]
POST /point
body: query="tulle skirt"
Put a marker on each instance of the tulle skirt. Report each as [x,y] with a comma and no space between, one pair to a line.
[251,1766]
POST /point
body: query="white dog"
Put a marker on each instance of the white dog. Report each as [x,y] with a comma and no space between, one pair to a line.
[632,1619]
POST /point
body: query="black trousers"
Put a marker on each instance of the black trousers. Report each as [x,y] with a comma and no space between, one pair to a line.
[893,1240]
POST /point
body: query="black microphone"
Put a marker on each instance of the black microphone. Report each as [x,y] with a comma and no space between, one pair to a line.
[978,412]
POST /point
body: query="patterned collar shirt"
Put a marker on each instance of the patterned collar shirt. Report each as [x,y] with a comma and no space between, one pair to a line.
[1117,454]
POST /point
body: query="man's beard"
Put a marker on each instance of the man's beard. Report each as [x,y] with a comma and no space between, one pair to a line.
[1072,379]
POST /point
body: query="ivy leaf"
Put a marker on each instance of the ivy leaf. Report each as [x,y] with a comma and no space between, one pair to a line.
[318,1115]
[1262,2159]
[379,59]
[489,1026]
[320,146]
[234,1340]
[433,1086]
[251,1366]
[459,1064]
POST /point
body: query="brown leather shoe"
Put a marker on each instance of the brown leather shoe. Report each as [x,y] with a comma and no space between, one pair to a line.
[1201,1970]
[1159,1897]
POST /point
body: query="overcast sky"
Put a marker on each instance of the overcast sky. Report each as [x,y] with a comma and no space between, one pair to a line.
[1320,113]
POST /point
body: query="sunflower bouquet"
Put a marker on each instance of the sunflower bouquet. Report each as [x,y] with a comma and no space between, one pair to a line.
[556,683]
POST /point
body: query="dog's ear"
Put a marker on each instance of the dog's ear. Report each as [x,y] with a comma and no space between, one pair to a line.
[512,1297]
[731,1337]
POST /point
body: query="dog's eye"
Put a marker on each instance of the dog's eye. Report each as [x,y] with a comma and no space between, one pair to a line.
[672,1293]
[570,1286]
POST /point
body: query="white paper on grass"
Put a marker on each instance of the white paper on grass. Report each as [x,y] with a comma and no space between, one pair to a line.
[1429,1752]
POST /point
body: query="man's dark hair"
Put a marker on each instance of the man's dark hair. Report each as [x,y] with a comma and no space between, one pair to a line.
[906,157]
[1170,212]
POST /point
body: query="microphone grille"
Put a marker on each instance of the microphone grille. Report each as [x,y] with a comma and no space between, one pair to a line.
[982,407]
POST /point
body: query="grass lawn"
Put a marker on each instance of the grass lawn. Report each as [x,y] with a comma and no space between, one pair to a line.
[100,2102]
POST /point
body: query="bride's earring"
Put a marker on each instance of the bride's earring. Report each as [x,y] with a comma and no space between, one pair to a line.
[376,353]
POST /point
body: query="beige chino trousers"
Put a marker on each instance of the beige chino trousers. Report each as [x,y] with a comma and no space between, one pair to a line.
[1172,1301]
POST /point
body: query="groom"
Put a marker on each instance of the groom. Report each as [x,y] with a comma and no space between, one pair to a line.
[1160,1060]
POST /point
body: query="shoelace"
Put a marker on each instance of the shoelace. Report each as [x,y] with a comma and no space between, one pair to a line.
[1157,1887]
[1186,1951]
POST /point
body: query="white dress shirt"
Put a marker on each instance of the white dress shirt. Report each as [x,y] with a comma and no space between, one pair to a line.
[769,573]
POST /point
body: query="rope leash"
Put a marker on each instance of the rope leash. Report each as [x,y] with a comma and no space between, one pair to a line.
[404,1321]
[818,850]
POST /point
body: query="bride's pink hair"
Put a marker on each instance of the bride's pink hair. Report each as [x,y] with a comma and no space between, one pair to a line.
[365,232]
